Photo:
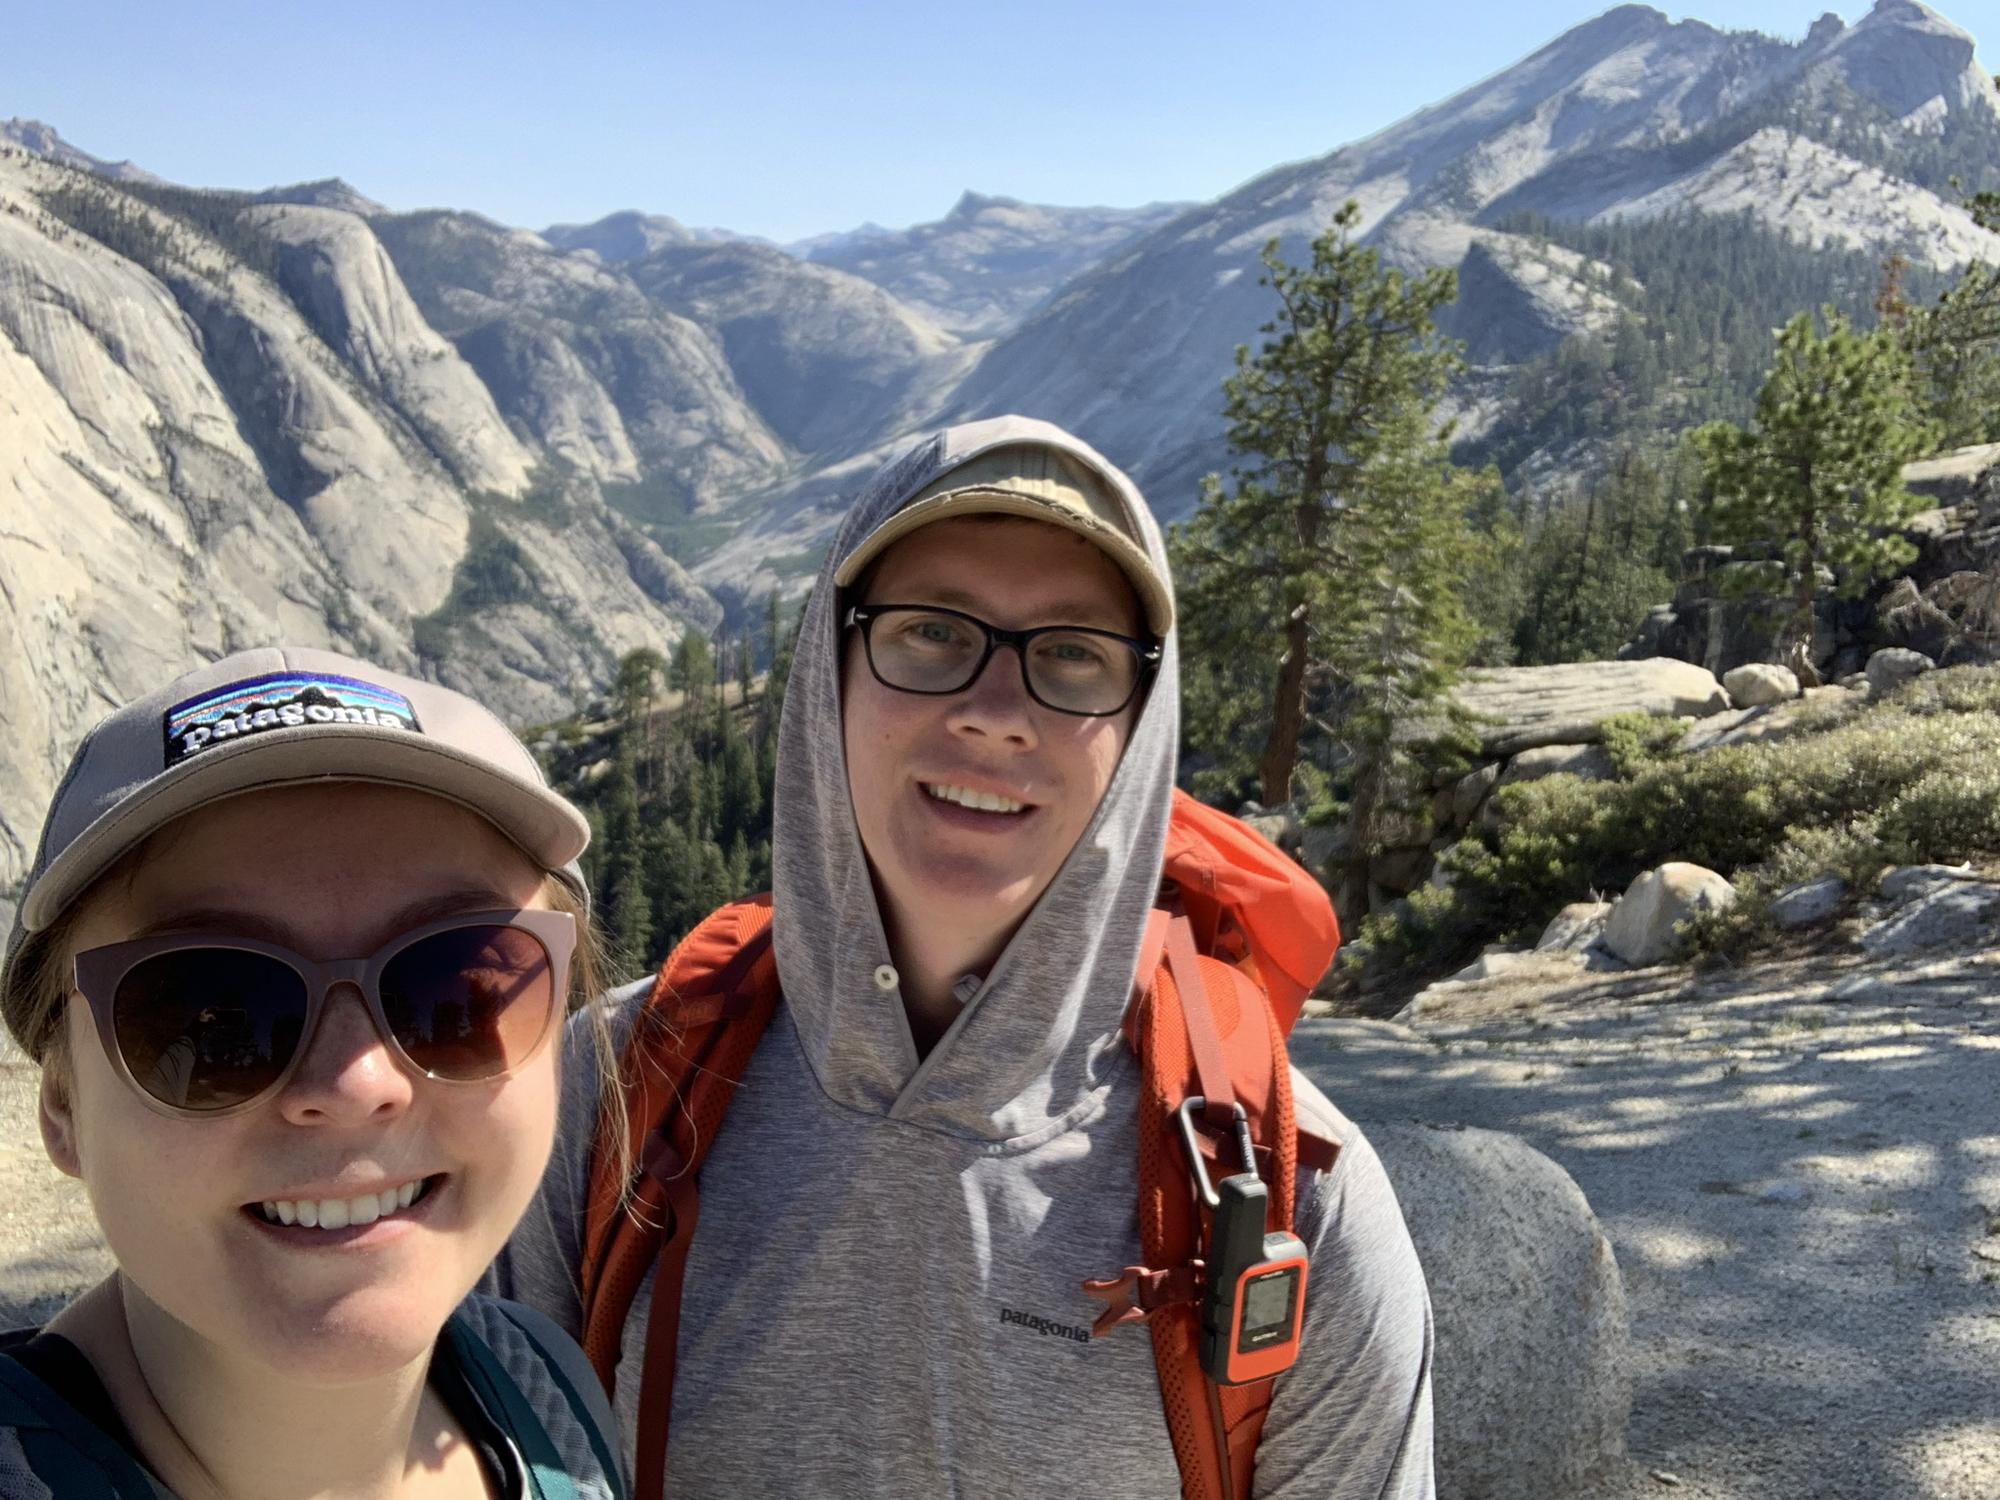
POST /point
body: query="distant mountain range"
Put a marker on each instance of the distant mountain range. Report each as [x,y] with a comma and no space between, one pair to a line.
[507,457]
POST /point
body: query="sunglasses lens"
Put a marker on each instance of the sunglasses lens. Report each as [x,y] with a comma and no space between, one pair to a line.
[470,1003]
[207,1028]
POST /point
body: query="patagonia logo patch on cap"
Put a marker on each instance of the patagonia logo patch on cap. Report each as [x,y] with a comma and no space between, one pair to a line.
[281,700]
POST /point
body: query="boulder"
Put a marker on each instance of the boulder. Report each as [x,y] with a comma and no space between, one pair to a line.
[1323,845]
[1525,706]
[1950,477]
[1575,927]
[1964,914]
[1721,632]
[1591,762]
[1532,1377]
[1759,684]
[1890,669]
[1280,825]
[1491,965]
[1906,883]
[1400,870]
[1644,925]
[1470,794]
[1910,621]
[1809,903]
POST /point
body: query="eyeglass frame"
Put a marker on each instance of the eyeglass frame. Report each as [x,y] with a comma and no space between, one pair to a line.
[1149,652]
[97,973]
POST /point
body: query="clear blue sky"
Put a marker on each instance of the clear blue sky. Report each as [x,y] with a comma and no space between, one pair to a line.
[783,118]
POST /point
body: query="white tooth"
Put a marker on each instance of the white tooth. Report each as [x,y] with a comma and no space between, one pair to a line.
[364,1210]
[270,1208]
[287,1211]
[405,1193]
[333,1214]
[308,1212]
[386,1201]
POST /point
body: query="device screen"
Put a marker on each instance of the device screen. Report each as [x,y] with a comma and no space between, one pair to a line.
[1267,1308]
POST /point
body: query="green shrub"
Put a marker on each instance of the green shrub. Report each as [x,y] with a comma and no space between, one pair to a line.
[1951,813]
[1912,779]
[1954,690]
[1637,741]
[1851,850]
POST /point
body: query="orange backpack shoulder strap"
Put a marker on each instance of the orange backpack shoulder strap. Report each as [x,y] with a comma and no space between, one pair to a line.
[689,1045]
[1200,1028]
[1225,967]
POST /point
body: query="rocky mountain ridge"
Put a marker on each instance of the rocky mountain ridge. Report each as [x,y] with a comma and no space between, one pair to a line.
[990,261]
[507,457]
[1847,138]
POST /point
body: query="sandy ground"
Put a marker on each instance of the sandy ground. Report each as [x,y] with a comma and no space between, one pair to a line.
[1799,1168]
[1798,1165]
[49,1247]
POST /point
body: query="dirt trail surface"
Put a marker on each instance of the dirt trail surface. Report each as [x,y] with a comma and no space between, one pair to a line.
[1798,1165]
[1799,1168]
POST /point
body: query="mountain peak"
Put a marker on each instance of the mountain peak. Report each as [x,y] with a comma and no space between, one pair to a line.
[327,192]
[1908,58]
[626,235]
[970,205]
[44,140]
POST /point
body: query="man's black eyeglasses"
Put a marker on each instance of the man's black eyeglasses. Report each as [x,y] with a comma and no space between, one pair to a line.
[916,648]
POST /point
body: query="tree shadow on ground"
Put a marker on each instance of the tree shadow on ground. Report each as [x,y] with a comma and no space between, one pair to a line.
[1799,1169]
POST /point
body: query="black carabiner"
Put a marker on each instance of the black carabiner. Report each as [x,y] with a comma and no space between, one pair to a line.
[1185,1114]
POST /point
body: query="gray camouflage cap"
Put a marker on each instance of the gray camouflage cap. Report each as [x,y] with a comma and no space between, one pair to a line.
[282,716]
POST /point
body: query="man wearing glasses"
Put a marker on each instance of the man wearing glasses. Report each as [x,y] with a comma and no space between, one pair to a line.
[935,1142]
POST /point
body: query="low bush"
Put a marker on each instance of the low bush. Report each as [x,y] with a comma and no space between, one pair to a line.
[1912,779]
[1950,813]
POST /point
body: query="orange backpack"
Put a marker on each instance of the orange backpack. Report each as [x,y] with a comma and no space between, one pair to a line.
[1240,938]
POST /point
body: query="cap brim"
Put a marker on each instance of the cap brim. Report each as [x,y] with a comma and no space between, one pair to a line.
[1131,558]
[547,828]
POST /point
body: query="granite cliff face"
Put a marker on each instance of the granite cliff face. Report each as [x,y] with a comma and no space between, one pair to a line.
[246,432]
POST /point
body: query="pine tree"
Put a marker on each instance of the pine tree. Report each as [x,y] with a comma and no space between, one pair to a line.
[694,666]
[1397,629]
[1322,408]
[628,909]
[1591,571]
[1819,479]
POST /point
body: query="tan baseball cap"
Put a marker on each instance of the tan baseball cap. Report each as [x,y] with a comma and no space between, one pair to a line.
[1041,483]
[278,717]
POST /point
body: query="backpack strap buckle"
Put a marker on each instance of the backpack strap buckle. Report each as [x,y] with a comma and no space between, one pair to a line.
[1139,1292]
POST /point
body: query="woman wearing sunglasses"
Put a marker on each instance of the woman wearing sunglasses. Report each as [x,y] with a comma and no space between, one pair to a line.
[291,956]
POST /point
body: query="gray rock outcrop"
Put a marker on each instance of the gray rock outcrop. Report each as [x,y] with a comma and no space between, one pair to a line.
[1523,708]
[1575,927]
[1808,903]
[1907,883]
[1590,762]
[1963,914]
[1532,1374]
[1890,669]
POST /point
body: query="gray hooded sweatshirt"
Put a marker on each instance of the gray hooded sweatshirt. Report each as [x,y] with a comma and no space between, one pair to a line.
[883,1296]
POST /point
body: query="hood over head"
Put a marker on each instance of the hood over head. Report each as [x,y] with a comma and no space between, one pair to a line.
[1032,1051]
